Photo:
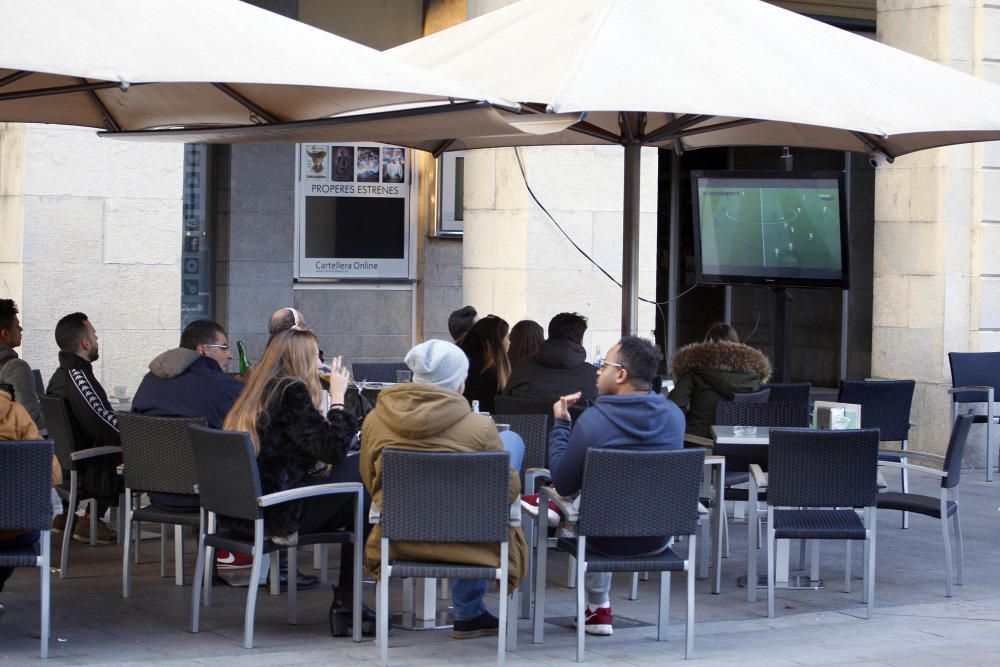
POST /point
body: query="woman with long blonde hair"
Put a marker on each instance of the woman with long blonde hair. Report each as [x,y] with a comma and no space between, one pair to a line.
[486,347]
[297,445]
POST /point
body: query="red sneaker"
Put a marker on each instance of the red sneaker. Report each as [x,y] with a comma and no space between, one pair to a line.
[598,621]
[228,560]
[530,505]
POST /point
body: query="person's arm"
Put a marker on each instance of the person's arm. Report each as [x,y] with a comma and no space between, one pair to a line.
[96,418]
[566,453]
[324,439]
[18,373]
[681,394]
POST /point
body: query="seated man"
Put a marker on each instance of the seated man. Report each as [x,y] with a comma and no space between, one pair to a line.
[92,419]
[14,370]
[626,415]
[430,414]
[284,319]
[560,367]
[189,381]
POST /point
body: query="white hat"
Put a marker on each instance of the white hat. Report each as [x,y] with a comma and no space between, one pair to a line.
[438,362]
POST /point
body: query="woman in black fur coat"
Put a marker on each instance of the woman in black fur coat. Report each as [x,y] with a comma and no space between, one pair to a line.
[297,445]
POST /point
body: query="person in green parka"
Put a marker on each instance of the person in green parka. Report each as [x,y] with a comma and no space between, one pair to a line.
[712,371]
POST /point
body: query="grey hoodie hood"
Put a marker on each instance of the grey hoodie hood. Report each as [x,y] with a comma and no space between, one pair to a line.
[7,353]
[173,362]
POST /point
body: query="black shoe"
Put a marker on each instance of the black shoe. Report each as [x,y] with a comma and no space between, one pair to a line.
[303,582]
[342,617]
[480,626]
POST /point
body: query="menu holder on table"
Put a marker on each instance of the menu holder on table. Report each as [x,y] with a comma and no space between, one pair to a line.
[831,415]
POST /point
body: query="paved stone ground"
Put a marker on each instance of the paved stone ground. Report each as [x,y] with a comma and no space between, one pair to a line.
[914,624]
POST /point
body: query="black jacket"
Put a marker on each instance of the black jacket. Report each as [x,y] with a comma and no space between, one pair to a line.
[560,367]
[481,385]
[294,437]
[92,420]
[182,383]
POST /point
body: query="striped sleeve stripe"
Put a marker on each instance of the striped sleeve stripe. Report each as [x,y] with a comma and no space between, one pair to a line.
[83,386]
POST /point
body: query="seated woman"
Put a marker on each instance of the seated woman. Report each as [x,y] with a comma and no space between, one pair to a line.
[486,347]
[712,371]
[296,445]
[526,338]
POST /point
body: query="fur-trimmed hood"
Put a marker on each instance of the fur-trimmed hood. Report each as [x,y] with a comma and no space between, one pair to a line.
[723,356]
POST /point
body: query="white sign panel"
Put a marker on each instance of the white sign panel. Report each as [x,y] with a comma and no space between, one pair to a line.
[352,211]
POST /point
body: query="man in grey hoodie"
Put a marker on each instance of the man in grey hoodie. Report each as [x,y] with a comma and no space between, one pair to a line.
[14,370]
[191,380]
[626,414]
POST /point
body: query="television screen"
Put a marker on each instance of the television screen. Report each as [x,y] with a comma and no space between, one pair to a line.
[350,227]
[782,228]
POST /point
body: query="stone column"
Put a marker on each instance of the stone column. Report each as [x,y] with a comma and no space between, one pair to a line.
[934,290]
[12,211]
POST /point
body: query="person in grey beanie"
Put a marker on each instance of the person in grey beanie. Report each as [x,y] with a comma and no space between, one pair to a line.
[430,414]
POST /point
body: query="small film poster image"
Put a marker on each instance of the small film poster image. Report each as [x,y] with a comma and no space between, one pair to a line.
[368,164]
[316,162]
[393,169]
[342,161]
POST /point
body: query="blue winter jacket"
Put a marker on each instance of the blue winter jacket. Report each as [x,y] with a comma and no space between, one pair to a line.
[182,383]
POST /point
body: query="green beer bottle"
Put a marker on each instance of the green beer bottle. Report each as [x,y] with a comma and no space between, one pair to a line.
[244,360]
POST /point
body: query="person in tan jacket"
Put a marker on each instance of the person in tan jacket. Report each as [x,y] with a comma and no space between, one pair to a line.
[430,414]
[16,424]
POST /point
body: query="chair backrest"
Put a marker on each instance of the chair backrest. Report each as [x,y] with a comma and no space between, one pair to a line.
[762,396]
[534,430]
[228,479]
[885,404]
[791,415]
[377,371]
[39,383]
[956,449]
[630,493]
[969,369]
[157,453]
[60,431]
[445,496]
[789,392]
[25,483]
[510,405]
[809,468]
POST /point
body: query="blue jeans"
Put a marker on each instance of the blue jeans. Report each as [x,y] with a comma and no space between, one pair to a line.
[467,594]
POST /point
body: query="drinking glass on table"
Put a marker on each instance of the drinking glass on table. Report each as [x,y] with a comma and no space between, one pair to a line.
[404,376]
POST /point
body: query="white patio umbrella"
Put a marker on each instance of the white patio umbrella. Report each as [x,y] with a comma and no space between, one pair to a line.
[139,64]
[683,74]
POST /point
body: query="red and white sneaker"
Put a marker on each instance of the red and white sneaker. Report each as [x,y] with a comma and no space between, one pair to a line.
[530,505]
[228,560]
[598,621]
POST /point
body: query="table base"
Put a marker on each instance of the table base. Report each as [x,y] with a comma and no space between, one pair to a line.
[796,582]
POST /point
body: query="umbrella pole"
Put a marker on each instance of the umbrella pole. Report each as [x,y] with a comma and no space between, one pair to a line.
[630,240]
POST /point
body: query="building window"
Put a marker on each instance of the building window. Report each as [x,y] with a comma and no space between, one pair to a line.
[451,194]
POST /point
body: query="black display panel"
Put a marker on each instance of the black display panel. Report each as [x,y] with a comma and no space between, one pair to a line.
[351,227]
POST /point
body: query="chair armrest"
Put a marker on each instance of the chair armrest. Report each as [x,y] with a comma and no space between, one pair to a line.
[534,475]
[758,475]
[374,514]
[84,454]
[301,492]
[940,474]
[980,388]
[913,424]
[565,504]
[909,454]
[514,515]
[699,441]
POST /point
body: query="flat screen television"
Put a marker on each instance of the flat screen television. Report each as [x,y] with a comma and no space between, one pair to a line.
[781,228]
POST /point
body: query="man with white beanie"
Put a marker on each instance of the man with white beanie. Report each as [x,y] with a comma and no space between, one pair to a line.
[430,414]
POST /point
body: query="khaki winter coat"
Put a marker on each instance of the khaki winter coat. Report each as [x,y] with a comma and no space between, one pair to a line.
[424,417]
[706,373]
[15,424]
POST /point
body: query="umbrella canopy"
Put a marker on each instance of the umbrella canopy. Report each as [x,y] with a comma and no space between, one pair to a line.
[139,64]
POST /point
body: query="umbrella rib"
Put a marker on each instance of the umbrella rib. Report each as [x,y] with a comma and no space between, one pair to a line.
[59,90]
[445,145]
[873,144]
[254,108]
[591,130]
[674,126]
[16,76]
[103,110]
[715,128]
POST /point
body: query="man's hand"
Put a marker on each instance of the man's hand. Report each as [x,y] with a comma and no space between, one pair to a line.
[560,409]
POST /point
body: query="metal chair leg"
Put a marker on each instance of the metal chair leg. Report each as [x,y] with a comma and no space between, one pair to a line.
[293,590]
[541,556]
[633,593]
[258,555]
[663,620]
[93,522]
[581,602]
[127,546]
[502,615]
[68,528]
[959,547]
[196,585]
[45,593]
[163,550]
[770,566]
[178,555]
[689,628]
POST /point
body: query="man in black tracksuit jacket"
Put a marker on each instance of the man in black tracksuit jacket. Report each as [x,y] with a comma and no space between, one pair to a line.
[91,416]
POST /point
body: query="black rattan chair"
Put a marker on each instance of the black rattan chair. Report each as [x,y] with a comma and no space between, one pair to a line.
[762,396]
[789,392]
[158,459]
[229,485]
[945,505]
[975,378]
[885,405]
[58,424]
[377,371]
[632,494]
[26,504]
[478,483]
[815,481]
[739,457]
[511,405]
